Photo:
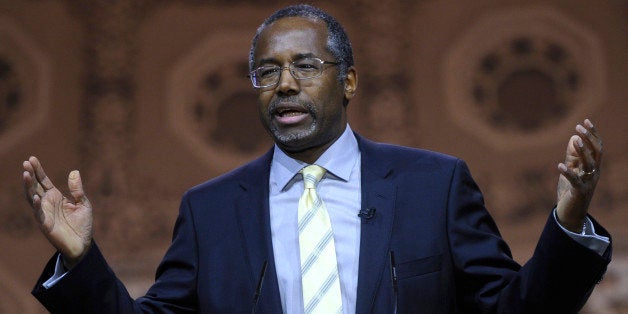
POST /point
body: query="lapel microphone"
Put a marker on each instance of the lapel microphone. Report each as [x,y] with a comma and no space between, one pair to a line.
[393,277]
[367,213]
[258,291]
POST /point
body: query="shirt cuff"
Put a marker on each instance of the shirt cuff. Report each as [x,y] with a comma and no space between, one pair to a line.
[588,238]
[60,272]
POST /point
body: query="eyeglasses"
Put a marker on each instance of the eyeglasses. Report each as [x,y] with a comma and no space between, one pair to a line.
[301,69]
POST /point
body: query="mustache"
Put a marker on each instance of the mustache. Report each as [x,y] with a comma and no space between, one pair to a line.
[293,99]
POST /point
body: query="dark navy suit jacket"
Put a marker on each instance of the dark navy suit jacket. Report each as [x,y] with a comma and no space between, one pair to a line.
[450,257]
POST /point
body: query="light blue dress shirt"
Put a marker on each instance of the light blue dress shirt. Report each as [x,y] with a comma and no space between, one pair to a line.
[340,190]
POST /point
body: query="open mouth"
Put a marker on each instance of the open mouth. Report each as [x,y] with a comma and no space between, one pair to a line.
[290,113]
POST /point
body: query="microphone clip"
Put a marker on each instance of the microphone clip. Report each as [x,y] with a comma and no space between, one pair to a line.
[367,213]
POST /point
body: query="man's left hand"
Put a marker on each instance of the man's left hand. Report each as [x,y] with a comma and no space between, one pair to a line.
[579,175]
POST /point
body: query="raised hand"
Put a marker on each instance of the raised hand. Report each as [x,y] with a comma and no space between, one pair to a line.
[579,175]
[65,221]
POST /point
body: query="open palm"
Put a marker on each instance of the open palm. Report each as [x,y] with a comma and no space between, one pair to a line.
[65,221]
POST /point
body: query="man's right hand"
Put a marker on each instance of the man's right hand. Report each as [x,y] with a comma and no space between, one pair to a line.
[65,221]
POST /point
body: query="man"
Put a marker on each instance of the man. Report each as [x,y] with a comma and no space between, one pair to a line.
[396,229]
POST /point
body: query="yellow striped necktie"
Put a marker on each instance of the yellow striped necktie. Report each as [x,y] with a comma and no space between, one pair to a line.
[319,269]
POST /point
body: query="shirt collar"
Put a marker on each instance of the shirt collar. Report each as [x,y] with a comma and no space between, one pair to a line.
[338,160]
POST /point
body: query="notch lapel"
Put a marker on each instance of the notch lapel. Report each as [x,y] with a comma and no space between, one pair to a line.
[254,221]
[378,193]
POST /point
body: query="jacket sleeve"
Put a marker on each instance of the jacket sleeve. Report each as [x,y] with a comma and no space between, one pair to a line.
[558,278]
[92,286]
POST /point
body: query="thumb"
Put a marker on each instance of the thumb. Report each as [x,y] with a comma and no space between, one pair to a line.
[572,146]
[76,186]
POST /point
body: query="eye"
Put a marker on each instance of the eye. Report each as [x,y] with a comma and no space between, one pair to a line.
[306,65]
[265,72]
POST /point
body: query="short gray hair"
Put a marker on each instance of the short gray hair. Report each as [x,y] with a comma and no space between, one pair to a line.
[338,42]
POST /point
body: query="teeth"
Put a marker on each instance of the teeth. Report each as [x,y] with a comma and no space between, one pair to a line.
[290,113]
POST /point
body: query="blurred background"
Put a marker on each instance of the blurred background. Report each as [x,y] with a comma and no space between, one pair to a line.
[149,97]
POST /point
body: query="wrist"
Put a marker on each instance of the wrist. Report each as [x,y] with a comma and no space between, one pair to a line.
[71,259]
[569,218]
[69,263]
[575,225]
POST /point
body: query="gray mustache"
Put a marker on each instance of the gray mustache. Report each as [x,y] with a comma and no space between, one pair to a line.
[291,99]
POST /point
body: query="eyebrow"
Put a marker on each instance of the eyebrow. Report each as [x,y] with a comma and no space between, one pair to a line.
[293,58]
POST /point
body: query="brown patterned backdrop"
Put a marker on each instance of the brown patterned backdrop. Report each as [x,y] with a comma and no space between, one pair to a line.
[148,98]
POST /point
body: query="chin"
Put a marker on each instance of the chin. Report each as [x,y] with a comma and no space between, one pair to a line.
[294,138]
[290,140]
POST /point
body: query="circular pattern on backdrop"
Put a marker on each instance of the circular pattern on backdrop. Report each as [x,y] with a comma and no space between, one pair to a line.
[212,104]
[10,94]
[518,76]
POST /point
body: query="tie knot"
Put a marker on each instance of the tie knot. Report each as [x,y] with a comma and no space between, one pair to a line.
[312,174]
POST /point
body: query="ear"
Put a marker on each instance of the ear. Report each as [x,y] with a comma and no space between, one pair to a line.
[351,83]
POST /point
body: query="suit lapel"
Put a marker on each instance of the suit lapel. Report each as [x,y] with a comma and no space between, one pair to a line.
[254,217]
[377,193]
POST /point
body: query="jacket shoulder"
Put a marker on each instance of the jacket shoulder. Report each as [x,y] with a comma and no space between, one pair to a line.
[406,156]
[254,171]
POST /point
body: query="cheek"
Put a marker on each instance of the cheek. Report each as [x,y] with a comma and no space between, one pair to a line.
[263,102]
[332,101]
[328,92]
[261,113]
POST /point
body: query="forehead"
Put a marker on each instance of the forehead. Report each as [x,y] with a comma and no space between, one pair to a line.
[290,37]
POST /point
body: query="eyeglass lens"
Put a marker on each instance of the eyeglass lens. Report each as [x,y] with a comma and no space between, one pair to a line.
[304,68]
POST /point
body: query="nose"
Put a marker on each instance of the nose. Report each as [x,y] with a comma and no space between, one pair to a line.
[287,83]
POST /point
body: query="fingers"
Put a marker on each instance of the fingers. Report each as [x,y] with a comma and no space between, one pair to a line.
[584,156]
[32,192]
[31,186]
[37,212]
[41,176]
[35,179]
[571,176]
[591,145]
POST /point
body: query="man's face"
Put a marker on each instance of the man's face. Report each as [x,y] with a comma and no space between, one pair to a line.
[304,117]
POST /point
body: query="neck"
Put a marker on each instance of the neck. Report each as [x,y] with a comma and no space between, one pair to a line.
[308,155]
[311,154]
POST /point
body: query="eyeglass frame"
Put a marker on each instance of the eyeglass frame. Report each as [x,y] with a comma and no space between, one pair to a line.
[251,74]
